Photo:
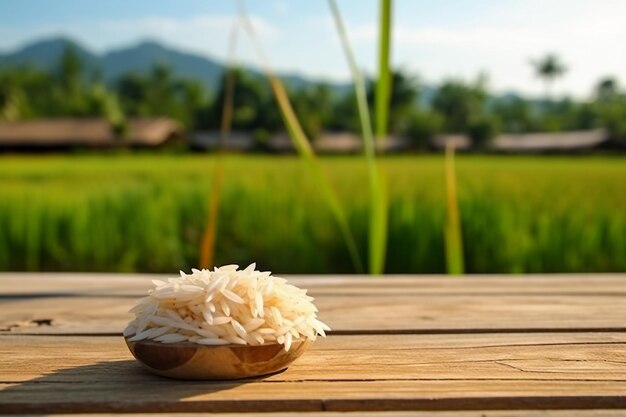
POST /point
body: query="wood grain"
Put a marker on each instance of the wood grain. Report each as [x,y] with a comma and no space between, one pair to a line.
[165,396]
[550,357]
[506,343]
[354,314]
[46,284]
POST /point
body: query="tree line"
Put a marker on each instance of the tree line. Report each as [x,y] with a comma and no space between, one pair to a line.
[71,90]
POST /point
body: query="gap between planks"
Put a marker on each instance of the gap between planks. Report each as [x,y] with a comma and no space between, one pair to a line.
[478,413]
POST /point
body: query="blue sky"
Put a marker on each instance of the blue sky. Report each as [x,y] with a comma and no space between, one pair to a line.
[435,40]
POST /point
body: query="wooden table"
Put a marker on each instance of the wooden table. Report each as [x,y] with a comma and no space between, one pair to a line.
[447,346]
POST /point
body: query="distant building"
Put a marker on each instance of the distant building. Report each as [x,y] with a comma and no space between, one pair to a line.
[460,142]
[393,144]
[240,141]
[281,143]
[575,141]
[556,142]
[340,142]
[87,133]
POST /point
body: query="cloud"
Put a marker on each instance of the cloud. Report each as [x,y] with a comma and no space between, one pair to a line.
[192,27]
[280,7]
[436,42]
[204,34]
[588,39]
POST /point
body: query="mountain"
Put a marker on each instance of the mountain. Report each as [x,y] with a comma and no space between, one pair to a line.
[142,57]
[46,54]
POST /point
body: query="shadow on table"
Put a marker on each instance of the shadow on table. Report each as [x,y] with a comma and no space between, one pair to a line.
[116,386]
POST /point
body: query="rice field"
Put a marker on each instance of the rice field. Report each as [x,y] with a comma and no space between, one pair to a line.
[146,213]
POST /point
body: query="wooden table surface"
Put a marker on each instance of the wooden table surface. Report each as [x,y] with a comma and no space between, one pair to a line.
[474,346]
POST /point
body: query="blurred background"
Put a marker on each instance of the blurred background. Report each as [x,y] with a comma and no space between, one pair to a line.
[146,136]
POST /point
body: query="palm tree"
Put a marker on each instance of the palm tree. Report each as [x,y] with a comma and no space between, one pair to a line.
[607,89]
[549,68]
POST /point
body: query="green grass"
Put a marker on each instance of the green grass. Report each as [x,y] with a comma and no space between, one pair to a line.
[146,213]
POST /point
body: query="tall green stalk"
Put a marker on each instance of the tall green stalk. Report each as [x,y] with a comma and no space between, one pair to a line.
[378,195]
[383,84]
[302,144]
[452,232]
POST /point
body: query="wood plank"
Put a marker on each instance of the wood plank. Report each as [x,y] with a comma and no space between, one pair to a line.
[412,313]
[543,356]
[341,373]
[169,396]
[45,284]
[495,371]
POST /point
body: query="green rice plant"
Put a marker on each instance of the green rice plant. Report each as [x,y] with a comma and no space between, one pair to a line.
[377,186]
[302,144]
[141,212]
[452,230]
[383,83]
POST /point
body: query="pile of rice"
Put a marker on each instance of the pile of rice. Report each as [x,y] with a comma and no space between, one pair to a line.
[225,306]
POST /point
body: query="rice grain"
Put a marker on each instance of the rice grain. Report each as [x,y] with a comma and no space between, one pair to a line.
[224,306]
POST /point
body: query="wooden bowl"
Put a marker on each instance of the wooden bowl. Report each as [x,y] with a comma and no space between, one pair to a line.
[188,360]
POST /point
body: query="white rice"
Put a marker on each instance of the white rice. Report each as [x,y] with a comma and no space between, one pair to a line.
[225,306]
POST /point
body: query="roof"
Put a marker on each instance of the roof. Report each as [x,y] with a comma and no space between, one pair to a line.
[338,142]
[86,132]
[235,141]
[281,142]
[532,142]
[152,131]
[456,140]
[543,142]
[343,142]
